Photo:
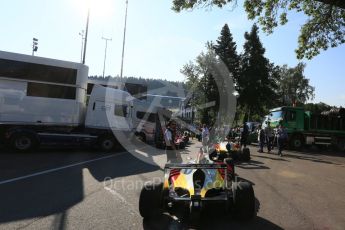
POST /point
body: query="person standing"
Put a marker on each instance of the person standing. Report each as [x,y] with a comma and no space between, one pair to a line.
[282,137]
[205,135]
[169,137]
[261,139]
[269,136]
[244,135]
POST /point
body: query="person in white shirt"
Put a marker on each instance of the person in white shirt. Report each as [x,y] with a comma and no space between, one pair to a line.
[205,135]
[170,147]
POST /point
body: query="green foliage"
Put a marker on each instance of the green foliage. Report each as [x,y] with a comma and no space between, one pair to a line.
[256,82]
[324,28]
[317,108]
[293,87]
[206,82]
[200,81]
[225,48]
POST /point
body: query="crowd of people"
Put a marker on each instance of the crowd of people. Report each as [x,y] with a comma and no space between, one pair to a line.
[266,137]
[269,137]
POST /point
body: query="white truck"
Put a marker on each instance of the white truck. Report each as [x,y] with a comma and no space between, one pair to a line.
[149,121]
[43,101]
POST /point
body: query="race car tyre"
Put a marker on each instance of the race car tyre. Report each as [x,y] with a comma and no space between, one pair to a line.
[23,141]
[150,201]
[246,154]
[243,201]
[231,167]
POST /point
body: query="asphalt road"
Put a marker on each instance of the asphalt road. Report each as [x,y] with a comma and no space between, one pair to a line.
[82,189]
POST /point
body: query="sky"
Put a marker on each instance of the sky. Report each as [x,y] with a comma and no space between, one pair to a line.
[158,40]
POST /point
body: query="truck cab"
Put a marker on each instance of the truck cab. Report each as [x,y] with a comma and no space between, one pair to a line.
[109,108]
[303,127]
[292,118]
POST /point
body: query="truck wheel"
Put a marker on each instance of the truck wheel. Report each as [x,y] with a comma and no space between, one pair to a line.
[243,201]
[23,142]
[296,142]
[150,200]
[341,145]
[107,143]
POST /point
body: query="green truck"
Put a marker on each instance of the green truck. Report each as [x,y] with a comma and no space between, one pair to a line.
[305,128]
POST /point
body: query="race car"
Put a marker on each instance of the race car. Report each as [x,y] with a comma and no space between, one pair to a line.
[230,149]
[194,188]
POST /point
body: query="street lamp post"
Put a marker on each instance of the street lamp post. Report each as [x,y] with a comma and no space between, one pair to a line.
[124,40]
[82,34]
[105,52]
[86,32]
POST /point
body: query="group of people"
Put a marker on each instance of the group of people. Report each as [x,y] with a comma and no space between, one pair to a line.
[270,137]
[266,136]
[174,156]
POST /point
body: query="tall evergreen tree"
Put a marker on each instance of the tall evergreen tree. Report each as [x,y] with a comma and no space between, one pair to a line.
[256,86]
[225,48]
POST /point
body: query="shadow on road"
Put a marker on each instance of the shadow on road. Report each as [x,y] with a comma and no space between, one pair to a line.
[120,166]
[252,164]
[271,158]
[55,192]
[309,158]
[310,154]
[167,222]
[212,222]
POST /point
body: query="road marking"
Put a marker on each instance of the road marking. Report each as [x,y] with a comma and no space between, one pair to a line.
[58,169]
[131,209]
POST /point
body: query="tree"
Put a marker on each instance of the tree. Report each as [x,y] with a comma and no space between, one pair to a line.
[324,28]
[225,48]
[294,88]
[206,82]
[256,86]
[317,108]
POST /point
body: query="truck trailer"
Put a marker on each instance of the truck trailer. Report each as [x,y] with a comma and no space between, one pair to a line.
[306,128]
[44,101]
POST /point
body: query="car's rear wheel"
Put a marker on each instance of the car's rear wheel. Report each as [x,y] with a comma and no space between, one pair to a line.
[243,201]
[150,201]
